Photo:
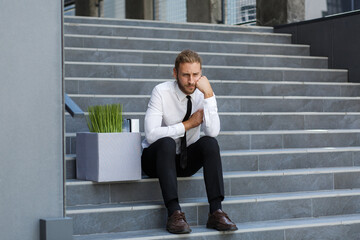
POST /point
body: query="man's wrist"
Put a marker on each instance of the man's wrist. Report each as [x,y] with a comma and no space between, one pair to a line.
[208,94]
[187,125]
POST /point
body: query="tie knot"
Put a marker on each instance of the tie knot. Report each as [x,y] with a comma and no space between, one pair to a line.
[188,97]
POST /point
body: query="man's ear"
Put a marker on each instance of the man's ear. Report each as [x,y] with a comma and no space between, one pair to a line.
[174,73]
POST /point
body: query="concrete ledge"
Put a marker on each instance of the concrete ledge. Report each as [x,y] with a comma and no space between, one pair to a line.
[56,229]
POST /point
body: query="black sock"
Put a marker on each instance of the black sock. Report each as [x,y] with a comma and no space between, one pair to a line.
[172,206]
[215,205]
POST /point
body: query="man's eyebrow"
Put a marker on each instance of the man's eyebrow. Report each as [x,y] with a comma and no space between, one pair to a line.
[186,73]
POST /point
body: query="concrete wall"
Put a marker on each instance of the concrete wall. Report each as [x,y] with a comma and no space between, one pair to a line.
[205,11]
[275,12]
[31,117]
[139,9]
[89,8]
[334,37]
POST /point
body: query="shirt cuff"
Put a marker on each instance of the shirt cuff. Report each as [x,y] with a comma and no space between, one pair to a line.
[180,129]
[210,102]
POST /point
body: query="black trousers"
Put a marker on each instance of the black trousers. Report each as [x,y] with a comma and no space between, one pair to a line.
[160,160]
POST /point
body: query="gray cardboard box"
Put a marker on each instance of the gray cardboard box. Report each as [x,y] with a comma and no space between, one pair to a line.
[107,157]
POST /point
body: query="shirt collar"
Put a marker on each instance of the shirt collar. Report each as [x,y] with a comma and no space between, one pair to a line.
[179,94]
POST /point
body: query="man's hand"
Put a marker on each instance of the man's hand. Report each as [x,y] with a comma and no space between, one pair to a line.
[195,120]
[204,86]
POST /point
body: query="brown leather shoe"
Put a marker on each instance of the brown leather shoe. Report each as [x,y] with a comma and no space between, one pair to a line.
[176,223]
[220,221]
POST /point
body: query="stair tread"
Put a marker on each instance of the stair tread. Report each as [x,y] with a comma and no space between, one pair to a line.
[102,19]
[242,228]
[200,53]
[208,66]
[238,174]
[215,81]
[187,202]
[271,151]
[186,40]
[222,31]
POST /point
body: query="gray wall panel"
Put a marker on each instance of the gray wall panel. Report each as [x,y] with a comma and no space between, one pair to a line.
[31,147]
[335,37]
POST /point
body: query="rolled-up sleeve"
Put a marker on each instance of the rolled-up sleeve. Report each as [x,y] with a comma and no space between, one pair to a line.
[154,118]
[211,124]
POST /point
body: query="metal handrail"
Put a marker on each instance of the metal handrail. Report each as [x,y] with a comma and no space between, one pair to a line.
[68,2]
[72,108]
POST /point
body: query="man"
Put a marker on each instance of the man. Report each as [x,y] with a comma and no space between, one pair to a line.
[173,147]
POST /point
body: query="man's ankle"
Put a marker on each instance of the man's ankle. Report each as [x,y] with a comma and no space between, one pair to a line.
[172,206]
[215,205]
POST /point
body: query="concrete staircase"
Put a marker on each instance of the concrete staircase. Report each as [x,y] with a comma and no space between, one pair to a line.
[290,134]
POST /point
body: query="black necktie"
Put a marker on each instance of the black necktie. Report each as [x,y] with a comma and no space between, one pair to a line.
[183,153]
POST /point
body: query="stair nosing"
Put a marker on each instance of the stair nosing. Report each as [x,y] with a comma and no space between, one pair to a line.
[288,151]
[256,198]
[261,113]
[269,132]
[211,81]
[285,35]
[304,131]
[277,97]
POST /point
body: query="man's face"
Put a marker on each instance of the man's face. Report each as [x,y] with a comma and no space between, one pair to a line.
[187,76]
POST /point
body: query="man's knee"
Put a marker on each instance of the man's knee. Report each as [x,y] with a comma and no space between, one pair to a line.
[210,143]
[166,145]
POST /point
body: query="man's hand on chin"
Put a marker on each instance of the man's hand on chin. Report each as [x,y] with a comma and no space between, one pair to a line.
[204,86]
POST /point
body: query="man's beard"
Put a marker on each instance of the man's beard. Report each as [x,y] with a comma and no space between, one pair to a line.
[183,88]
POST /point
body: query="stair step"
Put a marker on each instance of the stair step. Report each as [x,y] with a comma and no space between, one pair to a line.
[138,103]
[137,70]
[290,139]
[236,183]
[272,159]
[78,85]
[247,140]
[333,227]
[171,33]
[121,217]
[152,23]
[255,121]
[110,42]
[166,57]
[275,139]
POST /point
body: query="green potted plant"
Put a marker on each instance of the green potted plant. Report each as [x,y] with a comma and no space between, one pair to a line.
[106,153]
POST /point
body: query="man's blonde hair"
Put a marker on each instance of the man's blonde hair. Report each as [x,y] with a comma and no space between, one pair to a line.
[187,56]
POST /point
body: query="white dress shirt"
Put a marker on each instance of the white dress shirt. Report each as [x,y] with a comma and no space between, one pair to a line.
[167,109]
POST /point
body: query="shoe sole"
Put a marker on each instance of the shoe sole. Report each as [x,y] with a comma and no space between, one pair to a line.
[223,230]
[179,232]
